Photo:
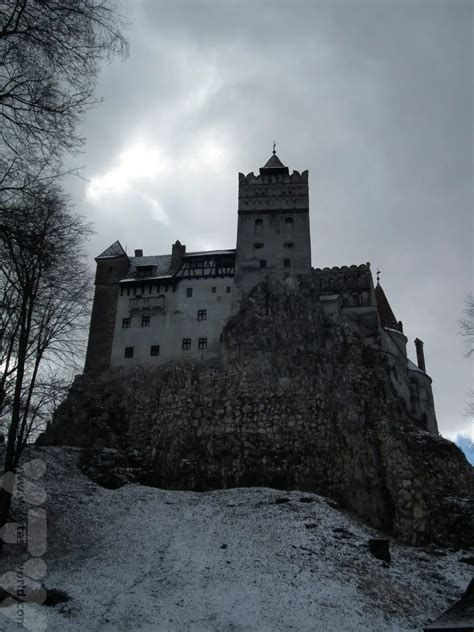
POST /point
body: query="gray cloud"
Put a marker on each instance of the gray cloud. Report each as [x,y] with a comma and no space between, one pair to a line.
[375,99]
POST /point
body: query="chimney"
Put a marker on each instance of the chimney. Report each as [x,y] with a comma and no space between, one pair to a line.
[420,356]
[138,253]
[177,253]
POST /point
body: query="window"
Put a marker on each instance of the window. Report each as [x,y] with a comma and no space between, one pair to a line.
[186,344]
[258,245]
[227,290]
[143,271]
[203,343]
[128,352]
[258,226]
[263,263]
[145,321]
[189,292]
[286,263]
[155,350]
[214,290]
[289,223]
[356,299]
[202,314]
[289,244]
[125,323]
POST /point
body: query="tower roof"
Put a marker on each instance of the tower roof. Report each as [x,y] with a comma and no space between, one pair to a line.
[115,250]
[386,315]
[273,166]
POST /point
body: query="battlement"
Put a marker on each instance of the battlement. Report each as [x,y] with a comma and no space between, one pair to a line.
[277,192]
[293,178]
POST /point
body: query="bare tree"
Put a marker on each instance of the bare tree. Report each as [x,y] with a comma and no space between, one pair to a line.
[466,329]
[45,284]
[49,57]
[466,325]
[50,52]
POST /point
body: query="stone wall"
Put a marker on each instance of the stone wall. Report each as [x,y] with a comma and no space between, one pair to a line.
[296,402]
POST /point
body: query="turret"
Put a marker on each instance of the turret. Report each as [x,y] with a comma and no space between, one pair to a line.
[112,265]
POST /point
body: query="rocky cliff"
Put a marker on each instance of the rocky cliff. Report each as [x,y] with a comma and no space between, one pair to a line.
[296,402]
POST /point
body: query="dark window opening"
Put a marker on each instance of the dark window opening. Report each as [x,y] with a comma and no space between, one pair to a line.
[258,226]
[202,343]
[356,299]
[214,290]
[289,244]
[144,271]
[263,263]
[186,344]
[145,321]
[128,352]
[189,292]
[155,350]
[227,290]
[286,263]
[202,314]
[289,222]
[258,245]
[125,323]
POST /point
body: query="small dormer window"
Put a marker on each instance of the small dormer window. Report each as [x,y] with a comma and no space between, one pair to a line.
[144,271]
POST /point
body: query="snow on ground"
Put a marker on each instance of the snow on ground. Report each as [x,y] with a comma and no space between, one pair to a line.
[239,560]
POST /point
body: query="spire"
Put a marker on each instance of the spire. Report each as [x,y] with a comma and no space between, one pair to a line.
[274,165]
[386,315]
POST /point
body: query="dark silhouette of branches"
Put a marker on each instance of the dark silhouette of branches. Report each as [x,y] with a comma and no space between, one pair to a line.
[466,325]
[50,52]
[45,288]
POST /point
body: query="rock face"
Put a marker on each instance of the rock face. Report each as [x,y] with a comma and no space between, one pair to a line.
[297,402]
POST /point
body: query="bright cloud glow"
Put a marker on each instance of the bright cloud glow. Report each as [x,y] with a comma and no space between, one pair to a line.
[138,163]
[157,211]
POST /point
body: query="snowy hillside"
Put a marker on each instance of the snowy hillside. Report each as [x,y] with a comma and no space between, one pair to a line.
[241,560]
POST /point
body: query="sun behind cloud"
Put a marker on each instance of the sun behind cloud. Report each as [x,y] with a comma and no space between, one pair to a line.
[136,164]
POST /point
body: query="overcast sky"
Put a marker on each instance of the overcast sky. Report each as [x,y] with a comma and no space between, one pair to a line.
[373,98]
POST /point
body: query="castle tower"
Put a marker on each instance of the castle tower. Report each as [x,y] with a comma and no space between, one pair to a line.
[273,237]
[112,265]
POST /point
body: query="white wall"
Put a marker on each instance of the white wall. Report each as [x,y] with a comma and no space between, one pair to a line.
[176,321]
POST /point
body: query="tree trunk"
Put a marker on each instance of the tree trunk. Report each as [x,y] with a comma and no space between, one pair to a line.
[5,504]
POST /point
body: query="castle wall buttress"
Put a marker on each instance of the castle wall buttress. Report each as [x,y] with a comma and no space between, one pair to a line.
[104,311]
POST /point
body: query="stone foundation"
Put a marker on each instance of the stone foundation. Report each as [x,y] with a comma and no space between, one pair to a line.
[296,403]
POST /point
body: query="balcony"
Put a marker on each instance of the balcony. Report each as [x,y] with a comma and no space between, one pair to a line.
[148,303]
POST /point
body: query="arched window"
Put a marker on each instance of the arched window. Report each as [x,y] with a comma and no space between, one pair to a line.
[289,223]
[258,226]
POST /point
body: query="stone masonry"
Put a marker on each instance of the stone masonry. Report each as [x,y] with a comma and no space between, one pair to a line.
[297,401]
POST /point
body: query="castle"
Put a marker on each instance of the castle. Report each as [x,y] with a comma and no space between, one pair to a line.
[149,310]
